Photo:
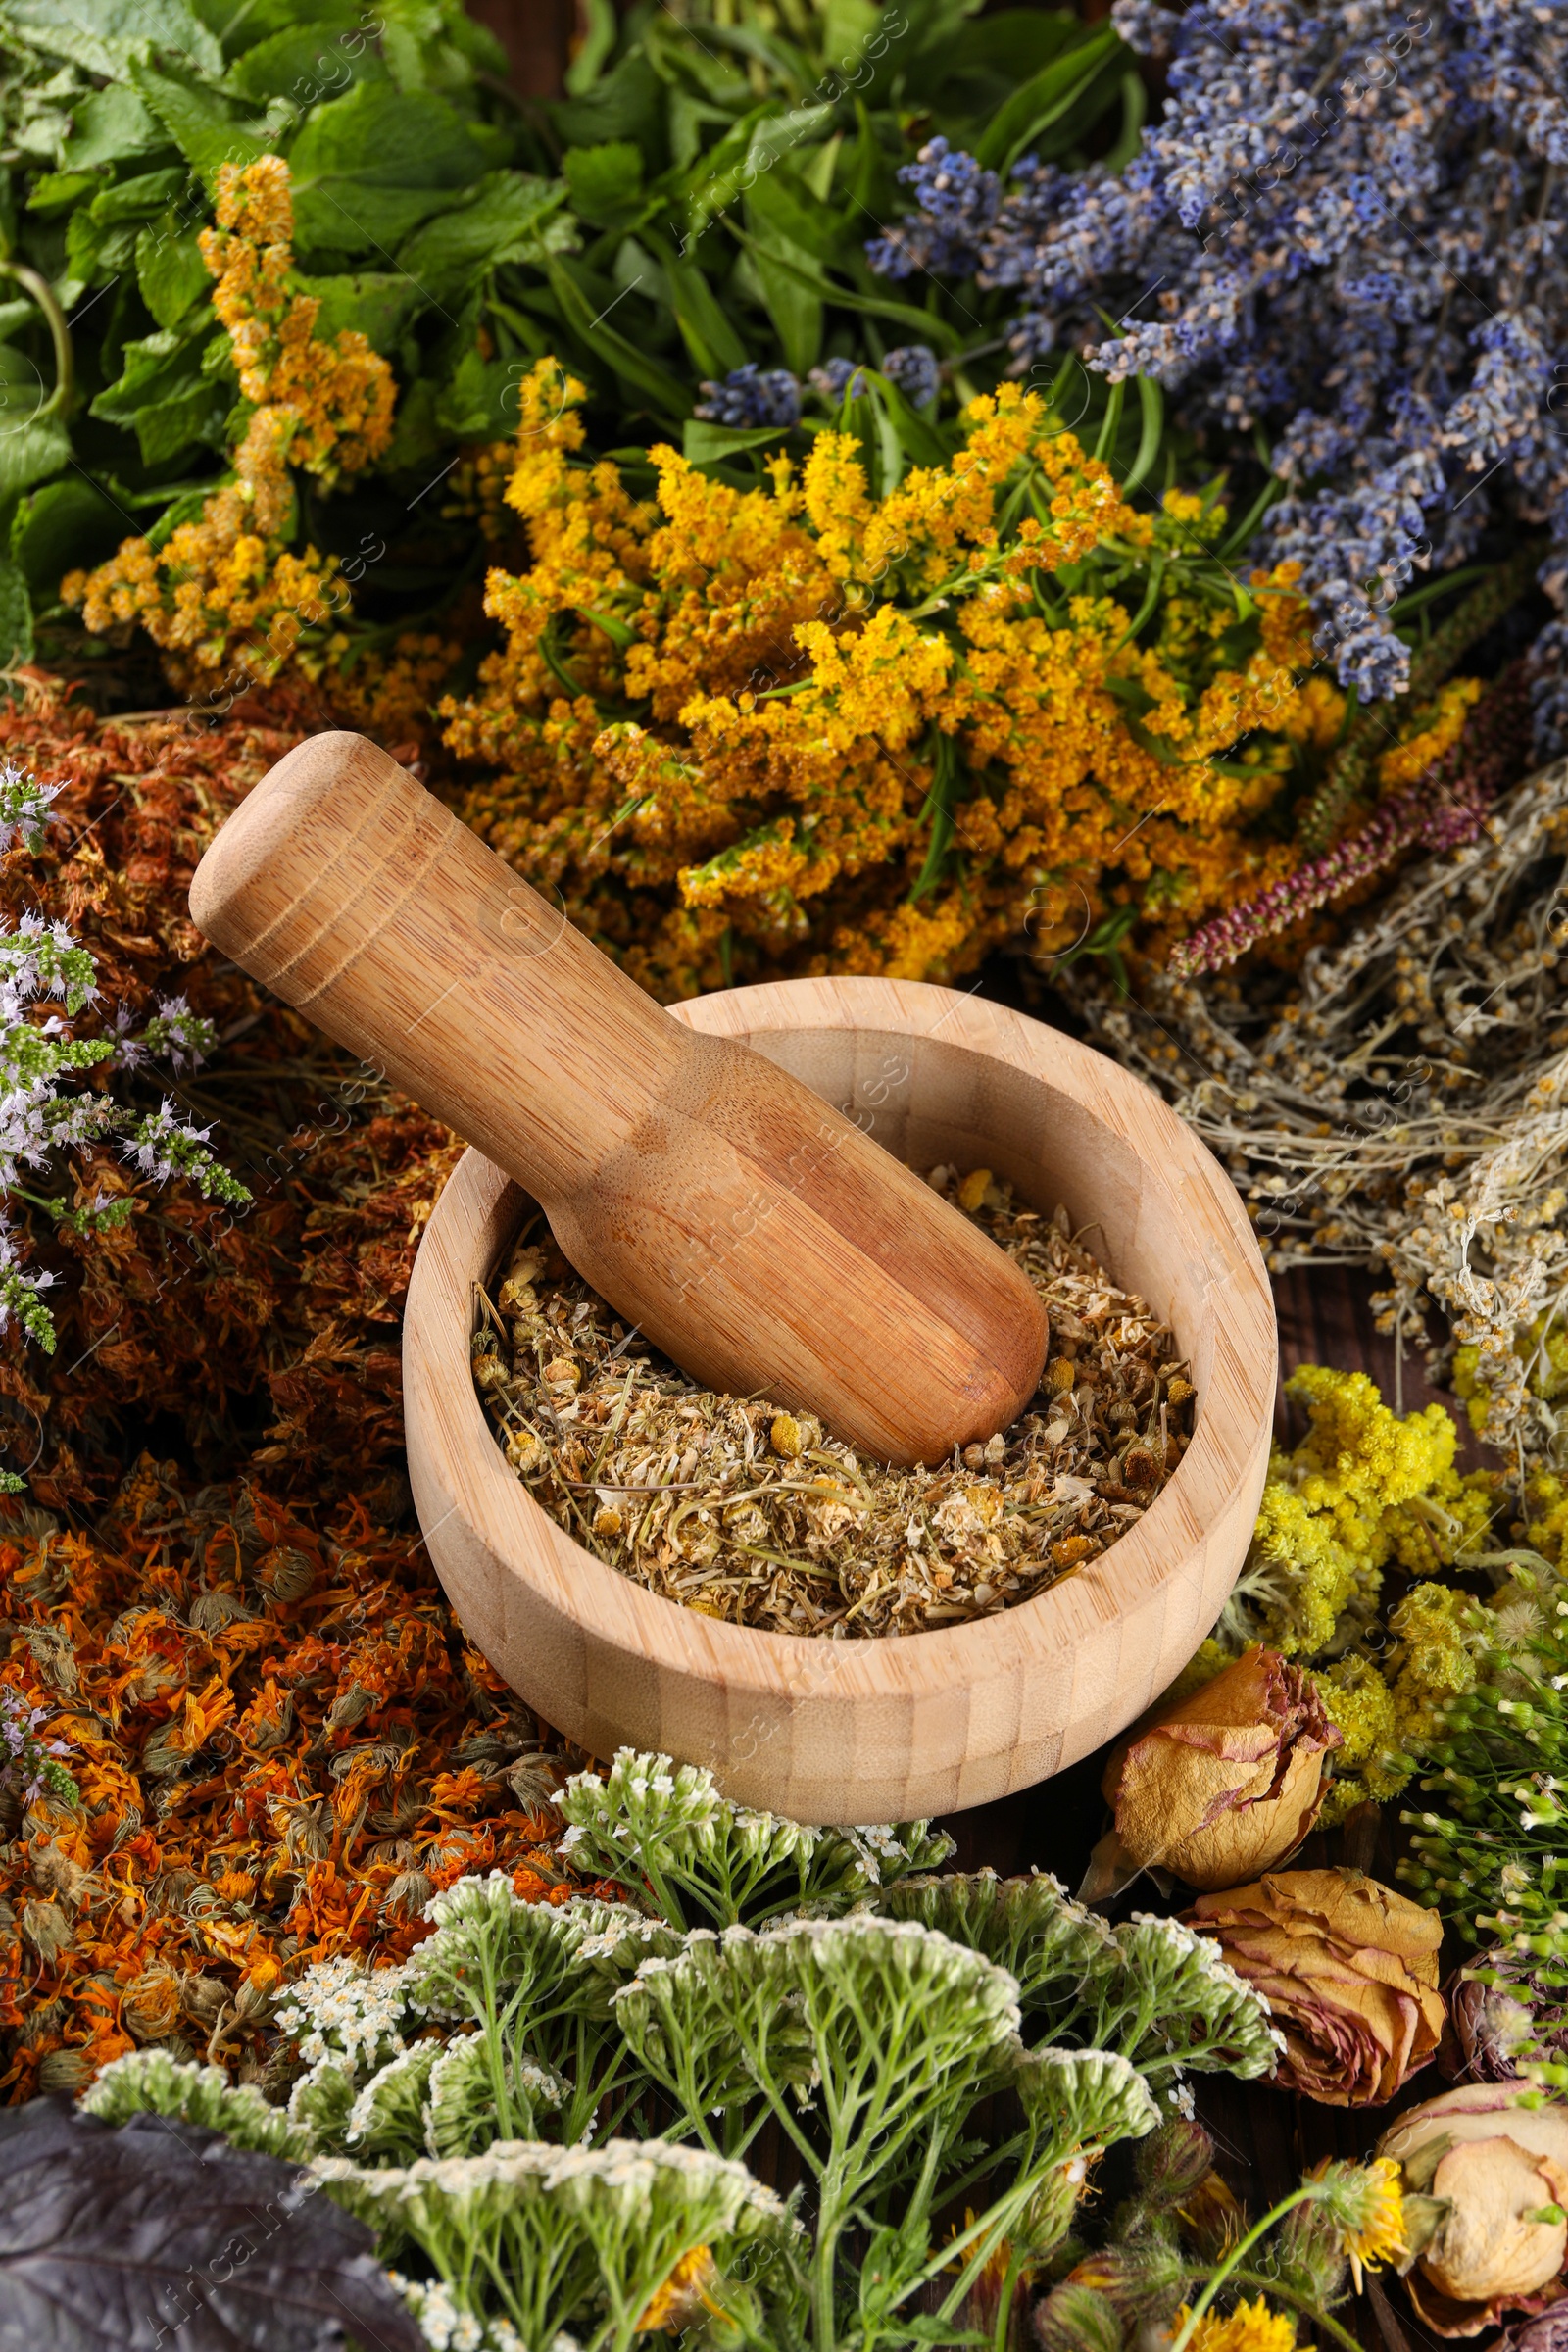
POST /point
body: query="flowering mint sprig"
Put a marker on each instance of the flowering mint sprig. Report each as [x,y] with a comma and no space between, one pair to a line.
[1408,819]
[24,809]
[47,978]
[26,1764]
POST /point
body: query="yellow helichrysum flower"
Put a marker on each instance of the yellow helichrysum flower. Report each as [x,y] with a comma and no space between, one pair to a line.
[1371,1764]
[1333,1512]
[225,589]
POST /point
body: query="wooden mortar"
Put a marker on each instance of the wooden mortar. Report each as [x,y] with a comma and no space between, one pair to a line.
[880,1729]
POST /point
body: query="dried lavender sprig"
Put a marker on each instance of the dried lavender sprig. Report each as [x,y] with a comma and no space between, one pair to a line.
[1429,665]
[1441,811]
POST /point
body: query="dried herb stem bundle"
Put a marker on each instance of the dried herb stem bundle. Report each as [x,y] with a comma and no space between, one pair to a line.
[1402,1104]
[757,1516]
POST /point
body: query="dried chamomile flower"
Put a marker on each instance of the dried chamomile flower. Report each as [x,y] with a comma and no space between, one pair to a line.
[757,1515]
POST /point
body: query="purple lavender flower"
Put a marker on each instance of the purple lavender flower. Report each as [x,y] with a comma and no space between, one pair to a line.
[1348,228]
[752,396]
[913,367]
[957,203]
[833,378]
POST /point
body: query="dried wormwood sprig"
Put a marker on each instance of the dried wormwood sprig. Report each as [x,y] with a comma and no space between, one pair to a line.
[1402,1104]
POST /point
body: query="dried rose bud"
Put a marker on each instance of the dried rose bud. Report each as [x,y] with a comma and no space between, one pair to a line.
[1548,2332]
[1483,2177]
[1350,1972]
[1227,1781]
[1488,2030]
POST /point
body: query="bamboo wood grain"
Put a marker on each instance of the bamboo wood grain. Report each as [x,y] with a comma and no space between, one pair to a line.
[748,1227]
[931,1722]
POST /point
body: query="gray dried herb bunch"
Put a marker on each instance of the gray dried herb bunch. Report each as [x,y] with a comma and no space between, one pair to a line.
[1402,1104]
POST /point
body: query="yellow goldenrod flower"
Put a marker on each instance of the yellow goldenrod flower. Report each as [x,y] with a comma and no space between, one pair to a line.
[225,588]
[1429,732]
[831,691]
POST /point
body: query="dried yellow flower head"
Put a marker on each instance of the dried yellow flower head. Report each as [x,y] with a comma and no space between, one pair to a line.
[785,1437]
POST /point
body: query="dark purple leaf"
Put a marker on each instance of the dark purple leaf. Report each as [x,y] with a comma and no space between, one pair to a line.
[158,2237]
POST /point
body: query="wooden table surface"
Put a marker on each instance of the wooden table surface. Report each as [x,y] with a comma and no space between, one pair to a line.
[1266,2138]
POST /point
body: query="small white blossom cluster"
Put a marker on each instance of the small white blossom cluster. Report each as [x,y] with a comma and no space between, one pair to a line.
[447,2324]
[342,2010]
[665,1827]
[469,2104]
[24,809]
[151,2081]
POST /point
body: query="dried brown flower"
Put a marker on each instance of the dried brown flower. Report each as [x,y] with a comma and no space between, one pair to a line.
[1484,2174]
[1350,1972]
[1400,1102]
[1226,1780]
[1488,2029]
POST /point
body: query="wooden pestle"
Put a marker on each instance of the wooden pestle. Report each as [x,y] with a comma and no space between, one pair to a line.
[748,1228]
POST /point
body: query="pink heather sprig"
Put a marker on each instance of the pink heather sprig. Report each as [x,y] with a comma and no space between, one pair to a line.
[1400,824]
[1443,809]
